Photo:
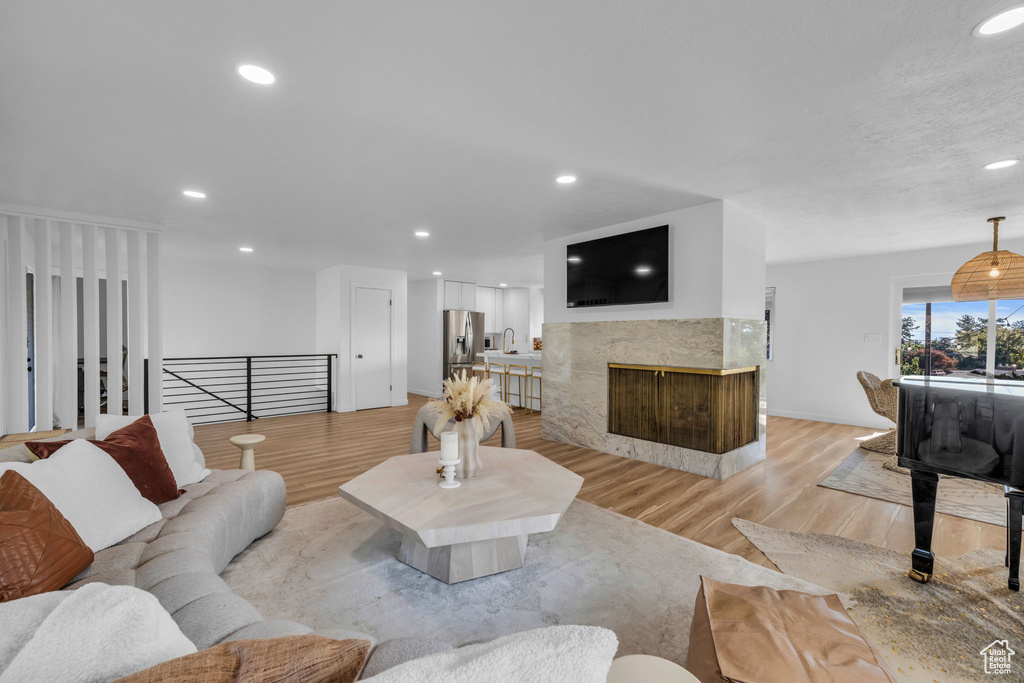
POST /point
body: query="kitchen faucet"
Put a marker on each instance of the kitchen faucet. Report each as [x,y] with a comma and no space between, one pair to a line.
[507,329]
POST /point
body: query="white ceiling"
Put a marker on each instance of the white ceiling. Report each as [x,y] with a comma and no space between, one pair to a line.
[851,127]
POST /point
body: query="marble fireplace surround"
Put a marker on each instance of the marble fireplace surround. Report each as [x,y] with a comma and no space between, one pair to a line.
[576,358]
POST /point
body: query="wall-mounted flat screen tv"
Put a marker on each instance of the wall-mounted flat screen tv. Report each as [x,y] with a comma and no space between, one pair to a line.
[631,268]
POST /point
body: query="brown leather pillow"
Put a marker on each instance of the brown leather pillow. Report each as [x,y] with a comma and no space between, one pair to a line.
[136,448]
[290,659]
[39,549]
[749,634]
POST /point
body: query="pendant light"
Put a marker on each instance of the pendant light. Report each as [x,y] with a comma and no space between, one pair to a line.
[991,275]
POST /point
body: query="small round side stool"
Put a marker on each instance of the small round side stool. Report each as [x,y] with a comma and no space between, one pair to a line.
[648,669]
[247,442]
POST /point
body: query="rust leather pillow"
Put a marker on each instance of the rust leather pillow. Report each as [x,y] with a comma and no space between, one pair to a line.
[136,448]
[39,549]
[290,659]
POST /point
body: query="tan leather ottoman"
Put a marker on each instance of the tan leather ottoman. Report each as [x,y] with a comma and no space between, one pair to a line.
[754,634]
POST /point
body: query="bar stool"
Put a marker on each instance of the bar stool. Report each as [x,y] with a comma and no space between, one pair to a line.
[536,373]
[520,372]
[479,368]
[499,370]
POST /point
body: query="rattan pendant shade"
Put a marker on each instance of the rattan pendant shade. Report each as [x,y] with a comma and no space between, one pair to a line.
[991,275]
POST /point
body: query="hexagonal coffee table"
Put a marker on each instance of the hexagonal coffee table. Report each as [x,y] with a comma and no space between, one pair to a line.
[478,529]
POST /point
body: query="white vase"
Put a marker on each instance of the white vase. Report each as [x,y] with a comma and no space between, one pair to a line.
[469,450]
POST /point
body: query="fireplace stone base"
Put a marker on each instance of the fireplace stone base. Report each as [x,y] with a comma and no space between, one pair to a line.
[576,358]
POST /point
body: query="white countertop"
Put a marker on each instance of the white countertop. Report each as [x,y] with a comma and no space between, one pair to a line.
[532,355]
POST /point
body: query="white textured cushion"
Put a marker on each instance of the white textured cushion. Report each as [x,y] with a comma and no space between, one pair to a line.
[556,654]
[174,432]
[92,491]
[96,633]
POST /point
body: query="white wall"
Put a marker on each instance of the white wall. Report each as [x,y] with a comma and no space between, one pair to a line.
[215,308]
[823,310]
[716,262]
[426,301]
[743,264]
[333,333]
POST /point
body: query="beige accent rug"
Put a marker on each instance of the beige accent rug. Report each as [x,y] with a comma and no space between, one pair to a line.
[862,472]
[928,632]
[330,565]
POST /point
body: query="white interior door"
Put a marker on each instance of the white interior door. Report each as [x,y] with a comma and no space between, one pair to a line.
[371,348]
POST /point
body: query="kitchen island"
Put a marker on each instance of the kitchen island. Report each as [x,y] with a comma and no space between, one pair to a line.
[532,359]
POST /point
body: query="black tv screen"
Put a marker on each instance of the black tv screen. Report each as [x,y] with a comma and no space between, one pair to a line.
[631,268]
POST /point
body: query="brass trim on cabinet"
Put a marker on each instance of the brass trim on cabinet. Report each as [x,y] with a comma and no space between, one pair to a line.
[692,371]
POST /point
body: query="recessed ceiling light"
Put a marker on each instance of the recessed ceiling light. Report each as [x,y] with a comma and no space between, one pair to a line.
[574,259]
[1006,163]
[643,270]
[1004,21]
[194,194]
[256,74]
[422,233]
[503,284]
[565,179]
[437,272]
[247,250]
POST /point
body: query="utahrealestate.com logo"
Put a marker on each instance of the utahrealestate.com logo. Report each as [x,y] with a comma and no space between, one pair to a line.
[997,656]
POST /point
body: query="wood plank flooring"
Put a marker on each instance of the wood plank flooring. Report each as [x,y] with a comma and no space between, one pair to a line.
[318,452]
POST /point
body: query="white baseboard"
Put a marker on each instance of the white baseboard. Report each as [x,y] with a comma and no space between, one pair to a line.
[834,419]
[350,409]
[423,392]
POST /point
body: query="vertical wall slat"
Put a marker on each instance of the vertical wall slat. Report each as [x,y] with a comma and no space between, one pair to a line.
[155,321]
[17,327]
[44,325]
[67,382]
[113,352]
[90,324]
[3,324]
[136,349]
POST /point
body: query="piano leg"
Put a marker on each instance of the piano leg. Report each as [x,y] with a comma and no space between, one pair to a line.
[1014,510]
[924,487]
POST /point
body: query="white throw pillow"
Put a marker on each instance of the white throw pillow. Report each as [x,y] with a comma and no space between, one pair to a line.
[92,491]
[556,654]
[95,633]
[174,433]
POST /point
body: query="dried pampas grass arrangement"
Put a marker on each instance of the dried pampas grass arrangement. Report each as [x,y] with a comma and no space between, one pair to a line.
[466,398]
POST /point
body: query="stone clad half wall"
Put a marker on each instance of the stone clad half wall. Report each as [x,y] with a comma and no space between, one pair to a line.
[576,358]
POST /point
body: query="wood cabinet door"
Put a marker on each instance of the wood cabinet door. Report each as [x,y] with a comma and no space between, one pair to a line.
[706,412]
[633,400]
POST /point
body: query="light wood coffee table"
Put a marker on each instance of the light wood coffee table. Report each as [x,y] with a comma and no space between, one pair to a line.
[478,529]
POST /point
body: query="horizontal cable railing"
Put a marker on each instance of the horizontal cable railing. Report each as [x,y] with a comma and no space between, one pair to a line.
[229,388]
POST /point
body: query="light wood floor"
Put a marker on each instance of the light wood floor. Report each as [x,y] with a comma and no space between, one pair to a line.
[318,452]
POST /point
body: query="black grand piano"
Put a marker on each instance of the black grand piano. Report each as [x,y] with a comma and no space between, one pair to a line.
[971,428]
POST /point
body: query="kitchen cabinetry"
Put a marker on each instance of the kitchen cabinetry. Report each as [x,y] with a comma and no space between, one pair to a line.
[516,314]
[489,302]
[459,296]
[468,296]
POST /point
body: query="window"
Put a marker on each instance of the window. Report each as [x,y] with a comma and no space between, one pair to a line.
[769,318]
[945,337]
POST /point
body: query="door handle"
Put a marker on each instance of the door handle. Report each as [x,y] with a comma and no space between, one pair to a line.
[359,355]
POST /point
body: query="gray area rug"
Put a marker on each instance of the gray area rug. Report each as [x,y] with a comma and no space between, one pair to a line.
[862,473]
[330,565]
[927,632]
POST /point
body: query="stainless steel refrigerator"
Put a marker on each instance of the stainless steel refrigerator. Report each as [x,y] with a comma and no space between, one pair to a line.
[463,341]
